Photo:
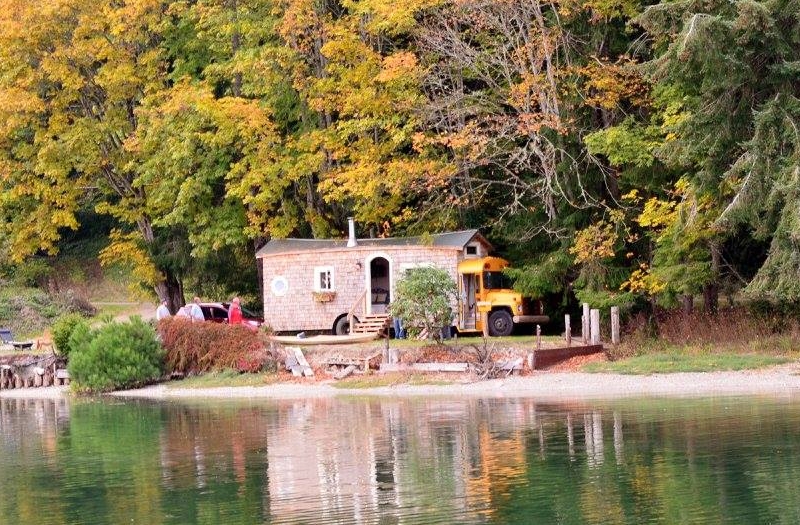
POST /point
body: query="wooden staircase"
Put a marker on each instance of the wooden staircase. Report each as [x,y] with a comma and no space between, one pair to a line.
[373,324]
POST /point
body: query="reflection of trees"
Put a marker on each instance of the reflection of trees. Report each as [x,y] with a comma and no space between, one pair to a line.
[391,461]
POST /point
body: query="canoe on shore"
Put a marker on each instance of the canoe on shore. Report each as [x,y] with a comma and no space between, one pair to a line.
[324,339]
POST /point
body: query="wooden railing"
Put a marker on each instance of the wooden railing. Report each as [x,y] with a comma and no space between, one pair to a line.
[361,299]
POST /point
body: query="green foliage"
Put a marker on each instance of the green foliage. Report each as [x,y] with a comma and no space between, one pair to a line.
[600,144]
[424,299]
[547,275]
[62,331]
[114,356]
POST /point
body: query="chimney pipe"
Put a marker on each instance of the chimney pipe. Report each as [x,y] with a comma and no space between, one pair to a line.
[351,226]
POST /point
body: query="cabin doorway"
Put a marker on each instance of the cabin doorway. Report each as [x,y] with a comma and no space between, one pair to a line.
[379,283]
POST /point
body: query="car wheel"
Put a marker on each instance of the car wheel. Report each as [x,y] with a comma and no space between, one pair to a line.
[341,326]
[500,323]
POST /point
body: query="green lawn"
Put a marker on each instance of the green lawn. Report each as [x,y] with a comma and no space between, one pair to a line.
[224,378]
[672,362]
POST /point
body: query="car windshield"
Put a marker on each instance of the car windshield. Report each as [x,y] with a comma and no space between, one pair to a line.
[496,281]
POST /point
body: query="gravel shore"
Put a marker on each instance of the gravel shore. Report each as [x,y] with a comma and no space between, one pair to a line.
[777,381]
[782,380]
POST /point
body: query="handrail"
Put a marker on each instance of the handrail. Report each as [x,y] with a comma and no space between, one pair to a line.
[352,311]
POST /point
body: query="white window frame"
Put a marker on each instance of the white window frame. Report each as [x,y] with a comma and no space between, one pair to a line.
[319,270]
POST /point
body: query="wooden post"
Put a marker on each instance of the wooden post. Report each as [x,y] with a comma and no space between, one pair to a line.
[538,337]
[567,330]
[585,324]
[615,325]
[485,323]
[595,328]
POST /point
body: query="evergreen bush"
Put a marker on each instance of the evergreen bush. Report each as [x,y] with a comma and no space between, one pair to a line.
[62,331]
[114,356]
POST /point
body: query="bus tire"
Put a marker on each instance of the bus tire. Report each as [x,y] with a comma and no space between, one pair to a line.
[500,323]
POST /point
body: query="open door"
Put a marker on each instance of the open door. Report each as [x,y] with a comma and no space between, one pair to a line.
[379,292]
[468,312]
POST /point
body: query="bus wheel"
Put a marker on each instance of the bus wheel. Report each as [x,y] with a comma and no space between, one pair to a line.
[500,323]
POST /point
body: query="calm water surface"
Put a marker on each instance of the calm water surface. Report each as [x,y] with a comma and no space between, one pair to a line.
[400,461]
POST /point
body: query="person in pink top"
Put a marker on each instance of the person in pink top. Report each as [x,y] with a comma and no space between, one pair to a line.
[235,312]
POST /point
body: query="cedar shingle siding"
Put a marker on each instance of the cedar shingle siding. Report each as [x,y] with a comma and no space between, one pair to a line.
[293,300]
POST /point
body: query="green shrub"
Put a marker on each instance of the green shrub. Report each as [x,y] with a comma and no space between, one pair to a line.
[424,299]
[114,356]
[62,330]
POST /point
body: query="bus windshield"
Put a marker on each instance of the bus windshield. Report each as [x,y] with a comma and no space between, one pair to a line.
[496,281]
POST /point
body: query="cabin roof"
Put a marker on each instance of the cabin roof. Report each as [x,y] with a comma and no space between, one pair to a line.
[455,240]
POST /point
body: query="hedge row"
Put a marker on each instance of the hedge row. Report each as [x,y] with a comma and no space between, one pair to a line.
[194,348]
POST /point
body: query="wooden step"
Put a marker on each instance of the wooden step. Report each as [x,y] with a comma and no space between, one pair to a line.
[375,324]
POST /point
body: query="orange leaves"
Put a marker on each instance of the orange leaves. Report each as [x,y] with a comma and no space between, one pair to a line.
[398,66]
[608,86]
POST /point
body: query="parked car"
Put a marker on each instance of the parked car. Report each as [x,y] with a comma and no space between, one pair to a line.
[218,313]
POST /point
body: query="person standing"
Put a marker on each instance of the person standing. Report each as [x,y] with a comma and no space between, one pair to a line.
[235,312]
[162,312]
[195,312]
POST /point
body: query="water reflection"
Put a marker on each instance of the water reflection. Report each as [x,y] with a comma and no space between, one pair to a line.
[399,461]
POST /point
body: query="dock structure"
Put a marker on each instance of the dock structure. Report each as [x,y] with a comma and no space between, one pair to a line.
[31,371]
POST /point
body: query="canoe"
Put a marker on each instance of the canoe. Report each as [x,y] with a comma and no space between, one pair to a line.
[323,339]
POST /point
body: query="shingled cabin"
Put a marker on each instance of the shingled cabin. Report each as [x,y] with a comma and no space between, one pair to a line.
[313,284]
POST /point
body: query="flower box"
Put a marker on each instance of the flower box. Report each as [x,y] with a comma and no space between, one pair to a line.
[323,297]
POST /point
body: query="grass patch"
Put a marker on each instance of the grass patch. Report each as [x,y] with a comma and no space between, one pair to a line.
[225,378]
[391,379]
[674,362]
[511,340]
[114,310]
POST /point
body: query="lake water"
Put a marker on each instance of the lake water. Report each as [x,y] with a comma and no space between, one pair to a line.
[387,461]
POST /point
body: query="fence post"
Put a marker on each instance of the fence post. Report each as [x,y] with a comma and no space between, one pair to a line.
[567,330]
[595,328]
[585,324]
[615,325]
[538,337]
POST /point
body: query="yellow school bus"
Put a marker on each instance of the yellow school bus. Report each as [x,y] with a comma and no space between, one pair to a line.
[484,288]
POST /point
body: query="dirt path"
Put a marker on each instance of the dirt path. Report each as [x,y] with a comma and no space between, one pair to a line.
[145,310]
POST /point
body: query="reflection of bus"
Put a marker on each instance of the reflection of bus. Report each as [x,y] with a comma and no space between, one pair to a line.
[483,287]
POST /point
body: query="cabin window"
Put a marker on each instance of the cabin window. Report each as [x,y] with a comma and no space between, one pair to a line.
[472,249]
[323,279]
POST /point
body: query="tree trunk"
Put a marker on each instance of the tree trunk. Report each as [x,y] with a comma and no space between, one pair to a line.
[258,242]
[171,290]
[711,290]
[688,304]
